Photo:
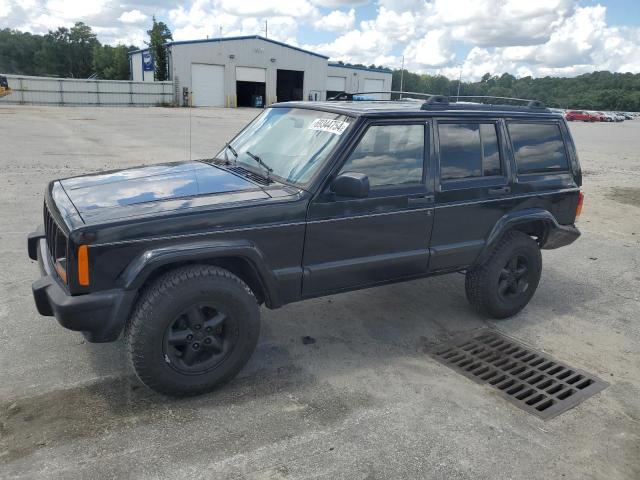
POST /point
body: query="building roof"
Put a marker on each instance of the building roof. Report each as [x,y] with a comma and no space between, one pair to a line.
[359,67]
[246,37]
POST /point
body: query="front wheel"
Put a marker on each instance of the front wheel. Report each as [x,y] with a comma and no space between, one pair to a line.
[192,330]
[503,285]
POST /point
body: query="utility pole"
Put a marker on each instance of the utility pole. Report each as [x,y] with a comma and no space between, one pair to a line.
[266,29]
[401,77]
[459,81]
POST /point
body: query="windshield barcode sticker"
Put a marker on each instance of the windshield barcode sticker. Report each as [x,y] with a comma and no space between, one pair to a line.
[336,127]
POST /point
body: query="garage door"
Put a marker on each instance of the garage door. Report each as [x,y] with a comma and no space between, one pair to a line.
[337,84]
[251,74]
[207,85]
[374,85]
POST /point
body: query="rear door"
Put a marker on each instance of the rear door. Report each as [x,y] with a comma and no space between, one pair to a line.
[355,242]
[473,188]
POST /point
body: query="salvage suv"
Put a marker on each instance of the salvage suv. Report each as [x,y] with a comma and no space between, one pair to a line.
[310,199]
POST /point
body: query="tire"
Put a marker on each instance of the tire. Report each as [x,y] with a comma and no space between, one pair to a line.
[516,263]
[192,330]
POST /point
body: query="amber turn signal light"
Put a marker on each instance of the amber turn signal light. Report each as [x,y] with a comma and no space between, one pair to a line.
[579,206]
[83,265]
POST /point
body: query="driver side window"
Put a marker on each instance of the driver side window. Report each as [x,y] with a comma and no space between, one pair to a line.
[389,155]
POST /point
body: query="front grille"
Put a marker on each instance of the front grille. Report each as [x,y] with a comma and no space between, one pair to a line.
[528,378]
[56,239]
[250,175]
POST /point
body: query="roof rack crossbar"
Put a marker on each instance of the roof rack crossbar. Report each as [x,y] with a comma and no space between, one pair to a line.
[530,103]
[349,96]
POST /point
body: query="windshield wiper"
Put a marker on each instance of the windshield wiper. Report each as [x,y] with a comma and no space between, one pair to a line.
[259,160]
[227,146]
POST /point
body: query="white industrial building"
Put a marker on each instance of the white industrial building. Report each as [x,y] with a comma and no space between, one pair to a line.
[242,71]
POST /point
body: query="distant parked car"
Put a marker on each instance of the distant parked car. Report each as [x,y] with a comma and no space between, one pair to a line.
[619,117]
[578,115]
[597,116]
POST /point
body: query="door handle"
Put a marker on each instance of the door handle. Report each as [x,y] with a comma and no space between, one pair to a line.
[499,190]
[420,200]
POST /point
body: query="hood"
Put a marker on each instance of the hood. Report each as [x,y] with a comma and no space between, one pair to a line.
[155,188]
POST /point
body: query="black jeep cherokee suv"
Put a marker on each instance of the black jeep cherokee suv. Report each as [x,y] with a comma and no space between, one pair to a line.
[309,199]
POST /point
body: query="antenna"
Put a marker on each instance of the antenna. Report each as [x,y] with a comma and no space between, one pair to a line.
[401,76]
[266,28]
[189,106]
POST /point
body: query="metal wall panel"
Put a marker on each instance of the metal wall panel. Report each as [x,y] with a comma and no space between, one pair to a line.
[70,91]
[358,78]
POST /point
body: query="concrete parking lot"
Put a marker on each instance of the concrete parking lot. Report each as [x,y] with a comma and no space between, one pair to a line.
[362,402]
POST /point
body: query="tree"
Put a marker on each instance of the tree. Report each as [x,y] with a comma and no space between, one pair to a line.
[68,52]
[82,41]
[159,35]
[112,63]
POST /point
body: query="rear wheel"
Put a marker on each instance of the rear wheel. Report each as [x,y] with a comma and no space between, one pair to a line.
[506,281]
[192,330]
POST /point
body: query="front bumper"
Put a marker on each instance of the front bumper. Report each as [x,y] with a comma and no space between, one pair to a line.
[100,316]
[561,235]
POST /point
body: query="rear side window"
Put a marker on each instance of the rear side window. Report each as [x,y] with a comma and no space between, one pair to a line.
[468,150]
[538,147]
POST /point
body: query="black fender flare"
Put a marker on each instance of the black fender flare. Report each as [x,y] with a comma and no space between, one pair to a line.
[520,217]
[140,269]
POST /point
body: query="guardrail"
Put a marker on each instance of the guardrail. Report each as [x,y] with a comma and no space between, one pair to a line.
[29,90]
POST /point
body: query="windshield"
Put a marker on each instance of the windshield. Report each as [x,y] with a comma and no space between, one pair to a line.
[292,142]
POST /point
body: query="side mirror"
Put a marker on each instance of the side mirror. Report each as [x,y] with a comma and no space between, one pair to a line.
[351,184]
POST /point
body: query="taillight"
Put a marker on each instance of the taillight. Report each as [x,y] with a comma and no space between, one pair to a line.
[579,206]
[83,265]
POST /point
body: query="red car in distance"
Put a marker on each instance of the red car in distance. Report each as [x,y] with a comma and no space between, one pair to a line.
[579,115]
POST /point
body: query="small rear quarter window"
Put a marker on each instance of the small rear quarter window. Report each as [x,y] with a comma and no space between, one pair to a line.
[538,147]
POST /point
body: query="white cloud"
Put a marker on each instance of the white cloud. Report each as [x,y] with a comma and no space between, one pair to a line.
[432,50]
[75,10]
[396,26]
[339,3]
[266,8]
[580,43]
[133,16]
[5,8]
[355,46]
[523,37]
[336,21]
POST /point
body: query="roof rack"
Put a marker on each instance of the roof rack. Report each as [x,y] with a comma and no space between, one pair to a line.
[529,103]
[344,96]
[440,101]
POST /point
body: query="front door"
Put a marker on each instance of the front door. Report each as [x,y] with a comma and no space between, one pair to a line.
[355,242]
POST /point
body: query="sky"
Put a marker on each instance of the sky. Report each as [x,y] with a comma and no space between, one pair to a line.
[449,37]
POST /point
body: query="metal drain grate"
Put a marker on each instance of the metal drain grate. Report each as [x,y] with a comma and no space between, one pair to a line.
[528,378]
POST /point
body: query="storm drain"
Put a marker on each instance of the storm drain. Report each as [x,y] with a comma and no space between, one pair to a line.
[528,378]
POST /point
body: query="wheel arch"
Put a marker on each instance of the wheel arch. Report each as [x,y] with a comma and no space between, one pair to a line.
[243,259]
[535,222]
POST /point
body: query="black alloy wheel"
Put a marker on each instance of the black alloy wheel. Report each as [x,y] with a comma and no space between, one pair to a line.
[199,338]
[514,278]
